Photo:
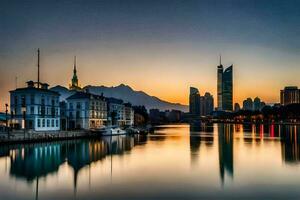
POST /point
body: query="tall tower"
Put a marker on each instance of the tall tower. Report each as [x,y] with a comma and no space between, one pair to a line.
[227,93]
[220,86]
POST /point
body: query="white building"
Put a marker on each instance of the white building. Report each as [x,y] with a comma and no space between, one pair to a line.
[129,114]
[116,111]
[86,111]
[35,107]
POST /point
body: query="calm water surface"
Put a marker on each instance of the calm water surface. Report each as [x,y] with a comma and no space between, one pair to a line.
[177,161]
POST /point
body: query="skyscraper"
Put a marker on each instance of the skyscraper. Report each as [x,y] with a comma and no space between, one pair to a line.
[194,102]
[227,93]
[290,95]
[208,107]
[225,88]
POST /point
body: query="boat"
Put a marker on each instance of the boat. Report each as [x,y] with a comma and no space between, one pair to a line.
[112,130]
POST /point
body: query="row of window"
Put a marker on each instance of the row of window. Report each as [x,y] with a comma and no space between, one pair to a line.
[51,101]
[98,105]
[47,123]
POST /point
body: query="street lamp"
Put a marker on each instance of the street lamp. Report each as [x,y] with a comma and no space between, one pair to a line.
[24,118]
[6,111]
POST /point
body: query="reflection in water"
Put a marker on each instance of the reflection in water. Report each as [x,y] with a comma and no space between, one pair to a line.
[30,162]
[201,155]
[225,135]
[200,133]
[290,144]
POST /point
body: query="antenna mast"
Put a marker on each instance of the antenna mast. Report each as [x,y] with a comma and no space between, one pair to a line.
[38,68]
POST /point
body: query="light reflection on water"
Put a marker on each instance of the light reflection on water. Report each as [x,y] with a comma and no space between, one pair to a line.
[177,161]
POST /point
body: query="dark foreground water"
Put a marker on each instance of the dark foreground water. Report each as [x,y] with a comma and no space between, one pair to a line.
[177,161]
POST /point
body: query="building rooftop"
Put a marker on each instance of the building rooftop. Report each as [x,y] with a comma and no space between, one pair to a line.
[85,95]
[35,87]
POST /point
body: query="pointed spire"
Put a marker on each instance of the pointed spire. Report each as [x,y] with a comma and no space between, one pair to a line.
[74,63]
[220,60]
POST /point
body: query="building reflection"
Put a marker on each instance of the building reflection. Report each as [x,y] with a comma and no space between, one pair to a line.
[290,144]
[200,133]
[33,161]
[225,135]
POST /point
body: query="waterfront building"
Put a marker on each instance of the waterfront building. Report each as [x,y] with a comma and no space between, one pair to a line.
[256,104]
[116,111]
[289,95]
[35,107]
[74,82]
[237,107]
[194,102]
[207,104]
[227,94]
[248,104]
[86,111]
[225,88]
[220,85]
[129,114]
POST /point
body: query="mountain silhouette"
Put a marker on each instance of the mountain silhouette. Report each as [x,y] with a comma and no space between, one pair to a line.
[127,94]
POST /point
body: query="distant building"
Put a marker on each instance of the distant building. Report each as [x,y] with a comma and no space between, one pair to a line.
[208,104]
[256,104]
[289,95]
[74,82]
[35,107]
[116,112]
[129,114]
[194,102]
[248,104]
[200,105]
[86,111]
[237,107]
[173,116]
[225,88]
[220,86]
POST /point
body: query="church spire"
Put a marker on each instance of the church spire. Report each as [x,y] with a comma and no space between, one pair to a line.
[74,82]
[74,65]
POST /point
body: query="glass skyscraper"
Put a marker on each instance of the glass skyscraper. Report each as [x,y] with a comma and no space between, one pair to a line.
[194,102]
[225,88]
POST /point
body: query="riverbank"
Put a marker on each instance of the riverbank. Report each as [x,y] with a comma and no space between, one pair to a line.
[18,137]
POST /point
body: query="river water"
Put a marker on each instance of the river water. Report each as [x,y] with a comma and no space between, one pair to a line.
[217,161]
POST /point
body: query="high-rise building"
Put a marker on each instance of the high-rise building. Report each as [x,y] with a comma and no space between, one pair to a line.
[208,104]
[194,100]
[225,88]
[220,85]
[256,104]
[237,107]
[290,95]
[248,104]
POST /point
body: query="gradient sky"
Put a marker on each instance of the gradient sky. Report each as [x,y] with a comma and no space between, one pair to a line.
[160,47]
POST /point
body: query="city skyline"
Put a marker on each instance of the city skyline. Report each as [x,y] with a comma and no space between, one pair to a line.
[125,43]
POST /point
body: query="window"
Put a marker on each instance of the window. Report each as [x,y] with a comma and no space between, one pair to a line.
[32,110]
[57,123]
[32,99]
[23,100]
[39,122]
[78,106]
[48,123]
[52,123]
[71,106]
[43,122]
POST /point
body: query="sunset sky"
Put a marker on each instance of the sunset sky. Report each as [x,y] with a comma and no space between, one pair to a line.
[160,47]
